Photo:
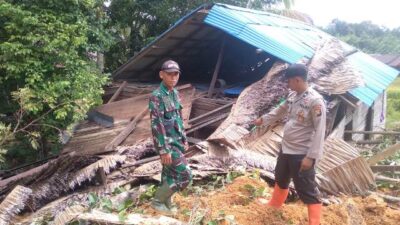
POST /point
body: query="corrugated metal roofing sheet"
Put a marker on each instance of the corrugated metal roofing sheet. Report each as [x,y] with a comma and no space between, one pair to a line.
[283,37]
[392,60]
[291,40]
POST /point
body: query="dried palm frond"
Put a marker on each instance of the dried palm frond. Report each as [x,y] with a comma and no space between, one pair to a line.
[69,214]
[89,172]
[255,100]
[343,77]
[329,54]
[148,170]
[352,177]
[231,135]
[336,152]
[268,143]
[13,203]
[139,150]
[241,159]
[52,209]
[57,181]
[330,71]
[341,169]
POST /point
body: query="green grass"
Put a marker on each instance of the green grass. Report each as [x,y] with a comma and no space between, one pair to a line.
[393,105]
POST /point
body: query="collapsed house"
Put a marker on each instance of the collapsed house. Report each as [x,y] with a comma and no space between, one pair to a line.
[392,60]
[233,60]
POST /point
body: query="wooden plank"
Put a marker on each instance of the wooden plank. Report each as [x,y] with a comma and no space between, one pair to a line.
[385,168]
[348,102]
[117,93]
[187,103]
[383,154]
[331,116]
[190,152]
[218,118]
[124,109]
[217,67]
[369,142]
[372,132]
[31,172]
[386,179]
[128,108]
[211,112]
[125,133]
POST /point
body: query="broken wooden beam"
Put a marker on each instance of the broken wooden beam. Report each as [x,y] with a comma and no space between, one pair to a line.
[100,217]
[187,154]
[118,92]
[383,154]
[387,198]
[368,142]
[216,119]
[127,108]
[385,168]
[216,70]
[125,133]
[100,118]
[348,102]
[211,112]
[386,179]
[372,132]
[194,140]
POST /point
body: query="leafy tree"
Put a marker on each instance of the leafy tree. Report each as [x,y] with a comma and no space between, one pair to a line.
[48,80]
[367,36]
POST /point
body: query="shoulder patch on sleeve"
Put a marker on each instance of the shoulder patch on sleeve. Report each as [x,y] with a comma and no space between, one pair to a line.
[317,109]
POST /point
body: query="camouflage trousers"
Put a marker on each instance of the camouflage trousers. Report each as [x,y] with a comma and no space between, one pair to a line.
[178,174]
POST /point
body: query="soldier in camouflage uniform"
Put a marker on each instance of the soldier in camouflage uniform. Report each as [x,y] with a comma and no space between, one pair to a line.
[169,137]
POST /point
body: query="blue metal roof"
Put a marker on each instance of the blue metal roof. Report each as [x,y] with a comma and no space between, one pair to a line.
[291,40]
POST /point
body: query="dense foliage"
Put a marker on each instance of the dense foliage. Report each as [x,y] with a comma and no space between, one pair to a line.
[48,48]
[48,80]
[367,36]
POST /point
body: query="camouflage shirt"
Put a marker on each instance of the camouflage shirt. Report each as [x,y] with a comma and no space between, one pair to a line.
[166,120]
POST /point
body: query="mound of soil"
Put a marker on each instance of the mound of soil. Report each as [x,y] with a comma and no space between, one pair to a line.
[238,203]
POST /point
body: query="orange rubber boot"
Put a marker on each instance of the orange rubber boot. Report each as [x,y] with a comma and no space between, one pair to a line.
[314,214]
[278,196]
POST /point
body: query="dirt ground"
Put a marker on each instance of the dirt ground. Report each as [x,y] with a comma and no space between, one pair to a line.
[237,203]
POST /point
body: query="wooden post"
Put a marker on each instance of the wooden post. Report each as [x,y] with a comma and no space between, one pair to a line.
[217,67]
[118,92]
[125,133]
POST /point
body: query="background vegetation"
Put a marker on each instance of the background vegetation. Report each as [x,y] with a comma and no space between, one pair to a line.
[48,75]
